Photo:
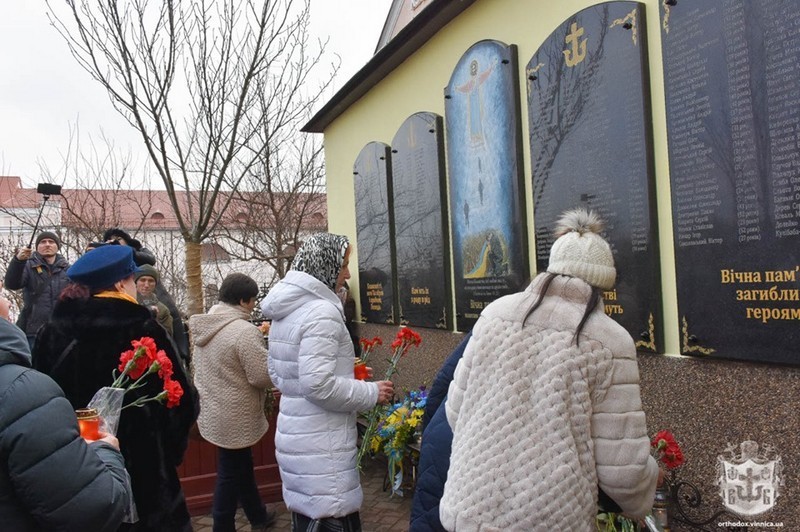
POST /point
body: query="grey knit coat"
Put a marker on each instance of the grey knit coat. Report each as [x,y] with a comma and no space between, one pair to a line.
[230,373]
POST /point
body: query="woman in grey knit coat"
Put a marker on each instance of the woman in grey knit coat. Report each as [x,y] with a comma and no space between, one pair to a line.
[230,361]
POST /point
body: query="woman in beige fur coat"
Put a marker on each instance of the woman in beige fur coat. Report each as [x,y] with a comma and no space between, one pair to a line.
[230,361]
[545,403]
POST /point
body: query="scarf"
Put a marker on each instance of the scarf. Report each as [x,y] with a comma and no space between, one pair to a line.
[321,256]
[113,294]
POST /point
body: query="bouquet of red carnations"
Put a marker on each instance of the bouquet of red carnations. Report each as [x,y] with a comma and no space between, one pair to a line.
[135,368]
[134,371]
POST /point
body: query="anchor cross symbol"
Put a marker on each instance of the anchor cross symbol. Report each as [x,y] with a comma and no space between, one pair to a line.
[749,496]
[577,53]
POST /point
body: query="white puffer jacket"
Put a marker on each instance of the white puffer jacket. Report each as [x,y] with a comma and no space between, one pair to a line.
[311,363]
[539,422]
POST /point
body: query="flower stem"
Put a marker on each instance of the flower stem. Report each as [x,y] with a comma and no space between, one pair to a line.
[142,400]
[366,440]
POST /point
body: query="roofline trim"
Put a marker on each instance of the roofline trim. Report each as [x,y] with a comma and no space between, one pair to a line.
[410,39]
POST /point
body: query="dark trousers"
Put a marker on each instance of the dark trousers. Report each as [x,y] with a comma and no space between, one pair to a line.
[348,523]
[236,484]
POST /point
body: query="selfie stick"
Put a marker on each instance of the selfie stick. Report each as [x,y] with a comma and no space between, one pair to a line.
[47,190]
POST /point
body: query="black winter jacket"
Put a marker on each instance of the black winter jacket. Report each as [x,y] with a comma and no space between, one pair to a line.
[41,284]
[50,479]
[153,438]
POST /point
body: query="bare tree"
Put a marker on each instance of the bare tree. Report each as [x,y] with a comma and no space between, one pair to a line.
[100,196]
[278,203]
[191,77]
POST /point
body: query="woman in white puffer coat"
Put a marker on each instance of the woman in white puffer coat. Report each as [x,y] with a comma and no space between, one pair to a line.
[311,362]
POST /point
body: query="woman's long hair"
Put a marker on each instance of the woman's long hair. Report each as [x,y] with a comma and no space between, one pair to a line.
[594,299]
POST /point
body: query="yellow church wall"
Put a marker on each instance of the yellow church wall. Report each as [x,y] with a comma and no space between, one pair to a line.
[418,83]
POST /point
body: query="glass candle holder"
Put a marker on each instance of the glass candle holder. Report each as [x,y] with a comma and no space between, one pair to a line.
[88,423]
[661,508]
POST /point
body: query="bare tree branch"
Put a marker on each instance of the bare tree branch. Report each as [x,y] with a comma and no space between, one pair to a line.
[211,86]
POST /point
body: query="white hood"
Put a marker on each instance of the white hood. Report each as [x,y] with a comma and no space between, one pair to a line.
[292,292]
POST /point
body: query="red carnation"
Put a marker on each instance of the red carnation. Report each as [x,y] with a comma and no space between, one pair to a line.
[662,439]
[667,450]
[139,364]
[148,344]
[672,457]
[174,392]
[165,365]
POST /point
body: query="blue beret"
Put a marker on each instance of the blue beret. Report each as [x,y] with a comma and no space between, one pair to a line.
[102,267]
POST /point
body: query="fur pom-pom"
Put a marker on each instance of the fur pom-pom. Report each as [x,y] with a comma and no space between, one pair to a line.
[579,220]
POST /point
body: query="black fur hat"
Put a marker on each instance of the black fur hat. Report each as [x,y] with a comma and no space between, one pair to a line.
[119,233]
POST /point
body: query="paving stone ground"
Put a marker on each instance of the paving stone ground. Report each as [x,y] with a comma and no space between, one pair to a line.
[379,513]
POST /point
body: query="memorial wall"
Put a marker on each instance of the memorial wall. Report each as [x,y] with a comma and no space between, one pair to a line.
[732,83]
[731,79]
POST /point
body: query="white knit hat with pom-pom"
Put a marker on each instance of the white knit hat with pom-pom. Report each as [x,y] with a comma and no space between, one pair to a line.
[580,251]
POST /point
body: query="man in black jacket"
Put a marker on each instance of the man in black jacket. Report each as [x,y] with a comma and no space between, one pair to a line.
[50,478]
[41,275]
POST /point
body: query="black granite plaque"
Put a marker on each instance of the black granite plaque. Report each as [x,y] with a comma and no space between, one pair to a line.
[732,82]
[487,209]
[420,215]
[591,145]
[374,227]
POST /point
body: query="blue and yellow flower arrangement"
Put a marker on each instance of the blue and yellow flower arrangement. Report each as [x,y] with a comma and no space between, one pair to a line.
[399,426]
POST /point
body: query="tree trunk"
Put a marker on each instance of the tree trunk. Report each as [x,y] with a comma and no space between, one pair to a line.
[194,278]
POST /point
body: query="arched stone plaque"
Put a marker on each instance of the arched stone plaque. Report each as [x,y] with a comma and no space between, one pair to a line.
[487,208]
[374,228]
[591,145]
[420,213]
[732,85]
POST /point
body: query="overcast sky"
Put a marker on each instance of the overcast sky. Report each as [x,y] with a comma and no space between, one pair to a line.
[43,92]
